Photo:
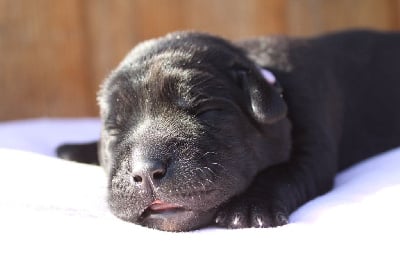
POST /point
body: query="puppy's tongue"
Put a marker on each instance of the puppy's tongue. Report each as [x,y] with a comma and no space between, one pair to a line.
[159,205]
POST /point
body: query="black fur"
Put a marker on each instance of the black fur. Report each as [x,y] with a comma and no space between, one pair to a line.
[194,135]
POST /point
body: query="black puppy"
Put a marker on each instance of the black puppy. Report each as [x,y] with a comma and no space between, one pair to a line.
[194,134]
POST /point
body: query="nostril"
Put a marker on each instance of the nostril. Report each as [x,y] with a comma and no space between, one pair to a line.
[158,174]
[137,179]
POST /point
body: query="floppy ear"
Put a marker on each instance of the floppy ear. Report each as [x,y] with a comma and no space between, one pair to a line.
[266,103]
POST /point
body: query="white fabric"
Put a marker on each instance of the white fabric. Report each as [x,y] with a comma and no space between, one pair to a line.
[54,212]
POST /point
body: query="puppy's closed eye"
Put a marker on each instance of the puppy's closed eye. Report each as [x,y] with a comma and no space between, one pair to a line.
[207,110]
[113,129]
[214,105]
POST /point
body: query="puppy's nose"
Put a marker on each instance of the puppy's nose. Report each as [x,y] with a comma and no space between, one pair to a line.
[148,170]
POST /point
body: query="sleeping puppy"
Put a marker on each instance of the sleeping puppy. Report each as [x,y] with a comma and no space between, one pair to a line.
[199,131]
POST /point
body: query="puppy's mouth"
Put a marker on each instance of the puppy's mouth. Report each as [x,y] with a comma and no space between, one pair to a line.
[162,210]
[167,216]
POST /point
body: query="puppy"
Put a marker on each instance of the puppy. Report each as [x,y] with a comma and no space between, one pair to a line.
[200,131]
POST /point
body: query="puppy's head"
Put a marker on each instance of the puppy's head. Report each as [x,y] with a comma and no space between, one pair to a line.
[188,121]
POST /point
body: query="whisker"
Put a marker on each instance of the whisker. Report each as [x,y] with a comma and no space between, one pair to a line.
[208,153]
[220,165]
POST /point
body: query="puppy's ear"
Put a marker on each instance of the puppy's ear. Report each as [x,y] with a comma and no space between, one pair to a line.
[266,103]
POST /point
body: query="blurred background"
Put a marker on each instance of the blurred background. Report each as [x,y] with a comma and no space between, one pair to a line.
[54,54]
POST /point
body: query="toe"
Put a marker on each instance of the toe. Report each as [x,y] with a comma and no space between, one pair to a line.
[233,216]
[280,219]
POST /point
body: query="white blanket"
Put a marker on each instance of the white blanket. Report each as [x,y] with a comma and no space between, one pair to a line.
[54,212]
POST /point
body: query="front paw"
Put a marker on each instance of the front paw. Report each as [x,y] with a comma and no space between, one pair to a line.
[244,212]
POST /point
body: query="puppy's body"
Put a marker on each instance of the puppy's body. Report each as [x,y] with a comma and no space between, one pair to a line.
[193,134]
[348,80]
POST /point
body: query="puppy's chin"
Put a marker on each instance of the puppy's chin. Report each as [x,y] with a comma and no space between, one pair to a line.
[164,215]
[177,220]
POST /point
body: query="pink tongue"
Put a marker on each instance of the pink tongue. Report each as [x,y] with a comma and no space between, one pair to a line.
[158,205]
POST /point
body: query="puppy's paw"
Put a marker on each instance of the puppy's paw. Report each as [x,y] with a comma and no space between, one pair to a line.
[244,213]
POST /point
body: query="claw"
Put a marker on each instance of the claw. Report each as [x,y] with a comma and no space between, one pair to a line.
[236,220]
[259,222]
[281,219]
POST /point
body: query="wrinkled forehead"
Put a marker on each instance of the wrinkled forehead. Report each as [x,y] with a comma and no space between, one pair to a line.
[163,83]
